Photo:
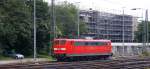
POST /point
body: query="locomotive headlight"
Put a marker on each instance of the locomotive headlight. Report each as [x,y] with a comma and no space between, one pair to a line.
[62,48]
[55,48]
[59,48]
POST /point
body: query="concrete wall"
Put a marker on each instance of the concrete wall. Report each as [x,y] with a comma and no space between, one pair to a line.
[129,50]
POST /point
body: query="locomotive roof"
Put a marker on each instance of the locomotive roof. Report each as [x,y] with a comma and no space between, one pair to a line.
[85,40]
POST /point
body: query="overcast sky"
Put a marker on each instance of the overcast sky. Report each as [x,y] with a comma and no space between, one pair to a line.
[113,5]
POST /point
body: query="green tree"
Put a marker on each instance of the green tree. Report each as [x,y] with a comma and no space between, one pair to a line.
[139,34]
[15,26]
[43,26]
[42,23]
[66,19]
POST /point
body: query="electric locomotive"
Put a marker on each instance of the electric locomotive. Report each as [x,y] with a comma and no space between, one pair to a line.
[68,48]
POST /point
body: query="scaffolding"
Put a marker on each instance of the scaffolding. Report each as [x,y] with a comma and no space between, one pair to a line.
[105,25]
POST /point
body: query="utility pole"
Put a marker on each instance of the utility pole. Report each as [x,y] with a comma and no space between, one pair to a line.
[123,31]
[52,25]
[53,19]
[35,53]
[146,27]
[123,28]
[145,30]
[78,19]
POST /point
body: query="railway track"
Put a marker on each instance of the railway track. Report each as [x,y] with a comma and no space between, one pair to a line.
[96,64]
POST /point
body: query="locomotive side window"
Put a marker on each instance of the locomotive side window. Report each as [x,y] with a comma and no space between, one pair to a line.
[90,43]
[79,43]
[102,43]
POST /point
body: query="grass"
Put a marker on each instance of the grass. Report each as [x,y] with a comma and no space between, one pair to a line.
[50,58]
[47,57]
[145,54]
[5,58]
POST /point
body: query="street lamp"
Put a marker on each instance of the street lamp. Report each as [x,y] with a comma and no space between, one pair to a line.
[146,33]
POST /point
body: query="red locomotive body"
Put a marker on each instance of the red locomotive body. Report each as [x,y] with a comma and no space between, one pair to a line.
[81,47]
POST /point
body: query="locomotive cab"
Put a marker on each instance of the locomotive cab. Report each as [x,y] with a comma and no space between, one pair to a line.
[59,48]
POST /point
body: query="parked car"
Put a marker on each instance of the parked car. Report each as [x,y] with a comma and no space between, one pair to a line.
[13,54]
[17,56]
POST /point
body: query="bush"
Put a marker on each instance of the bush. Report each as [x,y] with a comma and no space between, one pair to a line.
[146,53]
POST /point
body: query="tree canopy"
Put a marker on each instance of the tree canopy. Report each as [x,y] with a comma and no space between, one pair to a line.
[139,34]
[16,24]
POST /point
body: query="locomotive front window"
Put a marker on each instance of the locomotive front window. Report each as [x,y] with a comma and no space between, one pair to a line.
[60,42]
[90,43]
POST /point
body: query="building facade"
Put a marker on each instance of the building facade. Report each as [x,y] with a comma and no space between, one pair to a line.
[108,26]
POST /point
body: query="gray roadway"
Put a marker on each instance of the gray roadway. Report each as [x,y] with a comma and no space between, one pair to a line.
[26,60]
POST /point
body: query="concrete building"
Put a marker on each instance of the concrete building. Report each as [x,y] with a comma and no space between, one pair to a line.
[109,26]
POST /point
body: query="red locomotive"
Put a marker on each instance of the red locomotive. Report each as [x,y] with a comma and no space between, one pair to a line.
[68,48]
